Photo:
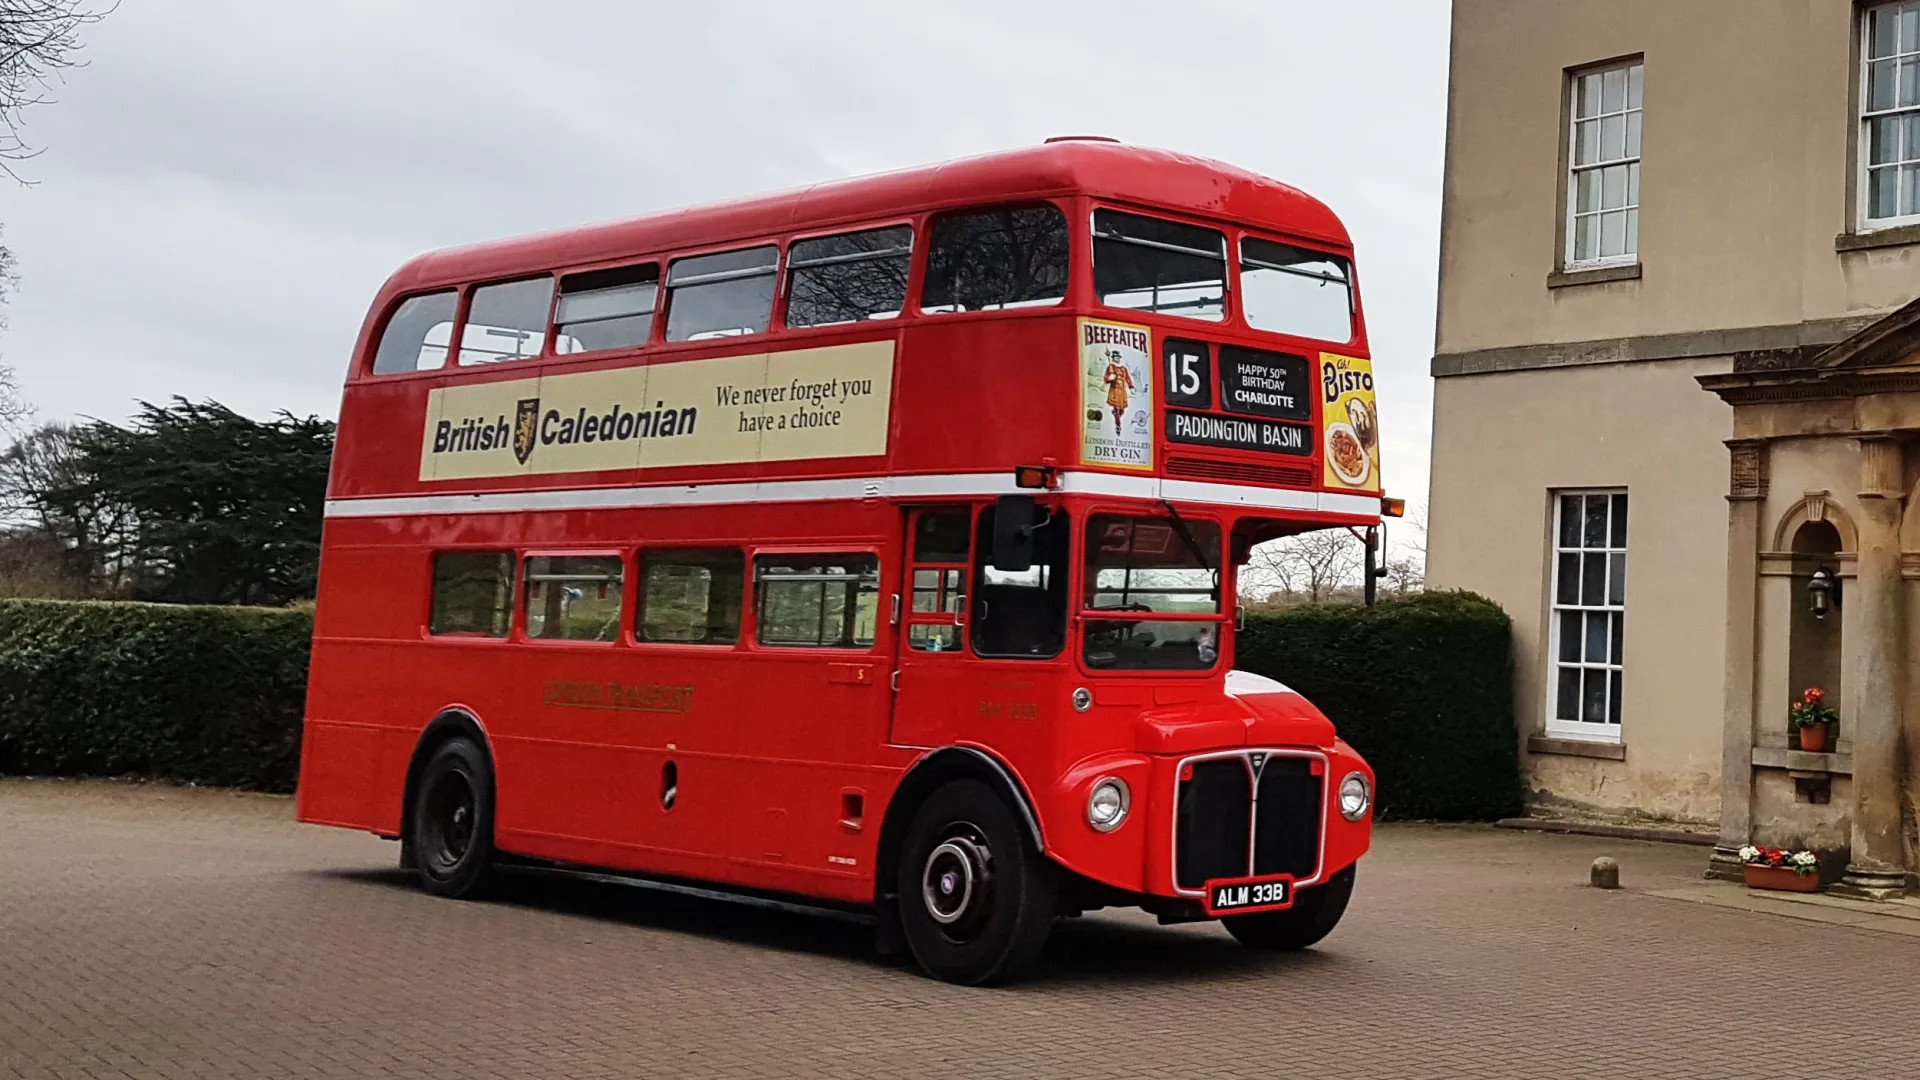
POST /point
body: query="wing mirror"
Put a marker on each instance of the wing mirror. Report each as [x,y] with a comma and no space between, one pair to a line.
[1013,534]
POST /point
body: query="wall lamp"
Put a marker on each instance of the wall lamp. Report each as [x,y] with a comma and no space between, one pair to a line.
[1823,592]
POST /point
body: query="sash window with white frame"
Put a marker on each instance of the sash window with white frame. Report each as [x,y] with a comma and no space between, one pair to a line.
[1890,115]
[1603,166]
[1589,614]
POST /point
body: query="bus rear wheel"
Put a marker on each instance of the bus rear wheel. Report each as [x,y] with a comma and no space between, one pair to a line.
[976,898]
[1314,914]
[450,836]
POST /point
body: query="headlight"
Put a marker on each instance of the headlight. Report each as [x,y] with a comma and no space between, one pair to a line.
[1107,804]
[1354,797]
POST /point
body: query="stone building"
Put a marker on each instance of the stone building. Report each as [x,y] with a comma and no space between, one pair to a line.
[1677,390]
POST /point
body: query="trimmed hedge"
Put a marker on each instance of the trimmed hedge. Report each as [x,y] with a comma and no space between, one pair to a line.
[1421,687]
[194,695]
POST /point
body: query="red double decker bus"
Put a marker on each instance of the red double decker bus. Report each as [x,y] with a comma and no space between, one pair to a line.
[873,544]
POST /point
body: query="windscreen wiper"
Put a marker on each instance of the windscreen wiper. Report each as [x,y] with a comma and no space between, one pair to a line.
[1186,534]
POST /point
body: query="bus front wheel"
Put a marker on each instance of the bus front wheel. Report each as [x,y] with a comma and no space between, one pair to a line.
[1314,913]
[450,836]
[976,899]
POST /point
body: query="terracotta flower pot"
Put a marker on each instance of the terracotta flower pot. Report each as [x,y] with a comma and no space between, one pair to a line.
[1780,878]
[1813,738]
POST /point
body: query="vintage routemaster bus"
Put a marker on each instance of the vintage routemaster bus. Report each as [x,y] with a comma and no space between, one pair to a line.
[873,544]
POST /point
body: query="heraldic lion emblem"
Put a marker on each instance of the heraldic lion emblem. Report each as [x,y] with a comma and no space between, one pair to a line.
[526,422]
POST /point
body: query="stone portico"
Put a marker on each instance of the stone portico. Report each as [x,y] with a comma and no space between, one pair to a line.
[1825,475]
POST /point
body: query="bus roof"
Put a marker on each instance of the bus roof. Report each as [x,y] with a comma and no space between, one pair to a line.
[1097,167]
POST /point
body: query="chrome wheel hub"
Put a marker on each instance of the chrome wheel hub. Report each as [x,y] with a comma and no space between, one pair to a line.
[955,872]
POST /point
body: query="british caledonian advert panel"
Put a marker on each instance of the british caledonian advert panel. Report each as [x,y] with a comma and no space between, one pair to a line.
[1352,430]
[786,406]
[1116,395]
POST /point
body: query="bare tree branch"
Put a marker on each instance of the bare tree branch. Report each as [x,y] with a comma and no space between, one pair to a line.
[1309,568]
[38,40]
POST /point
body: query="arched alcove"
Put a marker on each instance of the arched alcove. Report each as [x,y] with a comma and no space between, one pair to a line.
[1816,507]
[1814,647]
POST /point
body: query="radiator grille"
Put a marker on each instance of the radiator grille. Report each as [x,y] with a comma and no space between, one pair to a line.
[1222,831]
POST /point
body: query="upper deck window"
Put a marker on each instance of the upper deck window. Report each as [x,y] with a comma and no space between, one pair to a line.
[507,321]
[417,334]
[1149,264]
[721,295]
[848,278]
[606,309]
[1292,290]
[984,260]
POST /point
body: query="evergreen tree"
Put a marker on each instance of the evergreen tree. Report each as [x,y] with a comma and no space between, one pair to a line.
[223,509]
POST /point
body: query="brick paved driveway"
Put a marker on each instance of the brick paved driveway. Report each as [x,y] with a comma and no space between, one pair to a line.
[157,932]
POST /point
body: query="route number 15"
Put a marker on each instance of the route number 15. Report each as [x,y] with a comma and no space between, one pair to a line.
[1189,373]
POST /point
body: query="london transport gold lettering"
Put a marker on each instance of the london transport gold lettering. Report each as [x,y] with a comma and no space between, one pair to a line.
[626,697]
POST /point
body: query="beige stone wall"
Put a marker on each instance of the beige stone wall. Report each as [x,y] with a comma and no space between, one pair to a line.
[1782,819]
[1501,444]
[1747,171]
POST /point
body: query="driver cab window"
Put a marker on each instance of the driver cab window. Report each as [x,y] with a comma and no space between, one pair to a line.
[1022,614]
[1142,574]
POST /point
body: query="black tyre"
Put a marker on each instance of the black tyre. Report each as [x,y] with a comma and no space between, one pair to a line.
[1314,914]
[976,898]
[450,836]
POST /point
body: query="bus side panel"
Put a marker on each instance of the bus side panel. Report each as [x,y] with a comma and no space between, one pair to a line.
[338,766]
[366,709]
[809,719]
[363,679]
[584,734]
[377,445]
[955,381]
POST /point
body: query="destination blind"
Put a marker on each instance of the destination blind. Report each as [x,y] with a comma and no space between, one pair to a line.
[1274,385]
[1236,433]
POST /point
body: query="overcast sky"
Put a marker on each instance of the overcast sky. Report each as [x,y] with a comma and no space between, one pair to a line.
[225,184]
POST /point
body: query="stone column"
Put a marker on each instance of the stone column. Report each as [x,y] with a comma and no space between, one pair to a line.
[1746,489]
[1875,870]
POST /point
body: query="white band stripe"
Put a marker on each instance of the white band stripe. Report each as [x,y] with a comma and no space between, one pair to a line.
[895,487]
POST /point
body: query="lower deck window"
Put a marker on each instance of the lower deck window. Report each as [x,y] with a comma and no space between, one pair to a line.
[830,601]
[472,593]
[573,597]
[692,596]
